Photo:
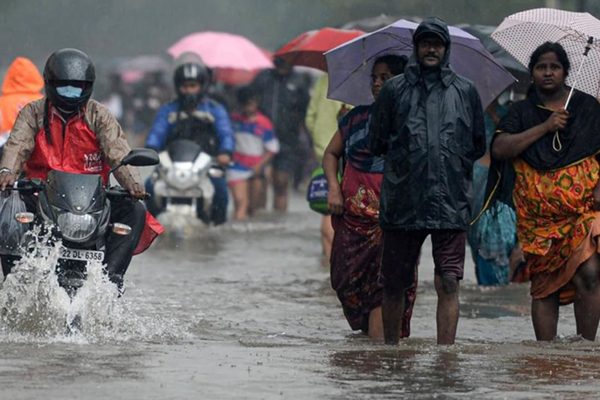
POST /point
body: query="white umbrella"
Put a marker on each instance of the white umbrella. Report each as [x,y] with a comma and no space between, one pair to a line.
[521,33]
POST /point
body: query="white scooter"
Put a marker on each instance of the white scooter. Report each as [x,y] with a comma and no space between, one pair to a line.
[183,178]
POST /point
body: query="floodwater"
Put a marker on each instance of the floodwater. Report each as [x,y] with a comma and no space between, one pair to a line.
[246,312]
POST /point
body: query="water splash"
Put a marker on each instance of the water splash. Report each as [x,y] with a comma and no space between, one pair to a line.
[182,222]
[33,307]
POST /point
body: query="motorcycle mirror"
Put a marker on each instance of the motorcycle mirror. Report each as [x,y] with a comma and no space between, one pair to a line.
[121,229]
[141,157]
[24,217]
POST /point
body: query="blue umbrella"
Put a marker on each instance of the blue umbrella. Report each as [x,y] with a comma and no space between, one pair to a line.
[349,65]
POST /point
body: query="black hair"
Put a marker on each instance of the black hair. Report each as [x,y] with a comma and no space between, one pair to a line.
[245,94]
[394,62]
[550,47]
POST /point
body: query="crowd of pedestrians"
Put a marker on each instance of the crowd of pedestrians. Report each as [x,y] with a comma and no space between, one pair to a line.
[518,182]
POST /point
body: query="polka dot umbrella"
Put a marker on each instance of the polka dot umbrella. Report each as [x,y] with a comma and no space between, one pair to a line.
[579,33]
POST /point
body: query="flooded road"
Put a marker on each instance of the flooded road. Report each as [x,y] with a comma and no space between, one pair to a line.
[246,312]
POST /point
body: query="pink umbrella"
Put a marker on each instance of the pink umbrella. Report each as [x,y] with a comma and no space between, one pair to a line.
[238,77]
[222,50]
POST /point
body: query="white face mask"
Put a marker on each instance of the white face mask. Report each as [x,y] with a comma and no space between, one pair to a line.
[70,92]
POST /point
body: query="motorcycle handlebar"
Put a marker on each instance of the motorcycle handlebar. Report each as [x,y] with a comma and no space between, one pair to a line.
[28,185]
[119,193]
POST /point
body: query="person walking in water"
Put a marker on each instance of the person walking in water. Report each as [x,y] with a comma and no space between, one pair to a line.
[255,146]
[283,98]
[428,124]
[321,121]
[555,186]
[356,249]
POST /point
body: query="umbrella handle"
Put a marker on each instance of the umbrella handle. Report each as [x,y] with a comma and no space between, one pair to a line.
[585,53]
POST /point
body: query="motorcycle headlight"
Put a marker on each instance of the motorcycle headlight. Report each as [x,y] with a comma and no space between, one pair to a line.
[77,228]
[181,176]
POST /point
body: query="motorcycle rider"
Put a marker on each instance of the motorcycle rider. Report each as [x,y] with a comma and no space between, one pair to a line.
[193,116]
[67,131]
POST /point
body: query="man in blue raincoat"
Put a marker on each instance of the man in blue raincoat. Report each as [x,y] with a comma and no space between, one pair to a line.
[195,117]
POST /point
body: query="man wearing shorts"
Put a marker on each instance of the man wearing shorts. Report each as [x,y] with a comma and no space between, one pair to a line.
[428,123]
[283,98]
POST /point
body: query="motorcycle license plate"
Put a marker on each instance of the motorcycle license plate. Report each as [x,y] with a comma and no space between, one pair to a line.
[81,255]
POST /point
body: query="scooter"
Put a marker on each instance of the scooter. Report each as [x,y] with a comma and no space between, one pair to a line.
[74,208]
[183,177]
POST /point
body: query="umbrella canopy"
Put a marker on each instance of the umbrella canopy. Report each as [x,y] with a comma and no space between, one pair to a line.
[222,50]
[521,33]
[371,24]
[350,64]
[483,33]
[307,49]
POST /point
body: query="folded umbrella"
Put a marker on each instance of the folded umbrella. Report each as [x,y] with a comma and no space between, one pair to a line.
[349,65]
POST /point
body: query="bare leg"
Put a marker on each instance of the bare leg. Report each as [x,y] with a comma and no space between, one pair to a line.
[544,314]
[326,236]
[376,324]
[447,308]
[267,181]
[239,191]
[280,188]
[392,310]
[398,270]
[256,188]
[587,302]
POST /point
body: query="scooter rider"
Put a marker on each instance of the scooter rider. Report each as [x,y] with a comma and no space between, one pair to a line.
[195,117]
[67,131]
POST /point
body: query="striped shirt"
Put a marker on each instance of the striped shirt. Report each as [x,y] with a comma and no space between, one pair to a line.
[354,127]
[253,138]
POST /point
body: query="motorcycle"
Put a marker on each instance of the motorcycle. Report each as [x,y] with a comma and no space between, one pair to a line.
[183,177]
[74,208]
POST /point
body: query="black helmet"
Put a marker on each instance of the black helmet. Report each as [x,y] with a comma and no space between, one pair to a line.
[191,72]
[70,69]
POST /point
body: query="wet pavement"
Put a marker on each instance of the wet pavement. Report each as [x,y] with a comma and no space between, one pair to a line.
[246,312]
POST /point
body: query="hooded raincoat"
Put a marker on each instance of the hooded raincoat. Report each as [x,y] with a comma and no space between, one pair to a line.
[23,84]
[428,124]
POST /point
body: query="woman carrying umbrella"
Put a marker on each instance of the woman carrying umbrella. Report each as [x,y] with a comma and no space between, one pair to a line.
[357,244]
[556,192]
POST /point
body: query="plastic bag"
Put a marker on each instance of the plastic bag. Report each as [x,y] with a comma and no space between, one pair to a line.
[11,231]
[316,195]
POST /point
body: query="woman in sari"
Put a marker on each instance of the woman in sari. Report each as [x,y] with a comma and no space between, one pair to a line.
[357,242]
[556,193]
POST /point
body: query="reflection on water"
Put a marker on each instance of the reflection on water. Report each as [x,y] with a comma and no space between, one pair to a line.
[422,370]
[398,371]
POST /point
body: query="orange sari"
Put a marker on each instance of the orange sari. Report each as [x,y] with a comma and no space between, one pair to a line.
[556,225]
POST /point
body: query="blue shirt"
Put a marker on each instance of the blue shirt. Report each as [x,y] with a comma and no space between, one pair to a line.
[167,116]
